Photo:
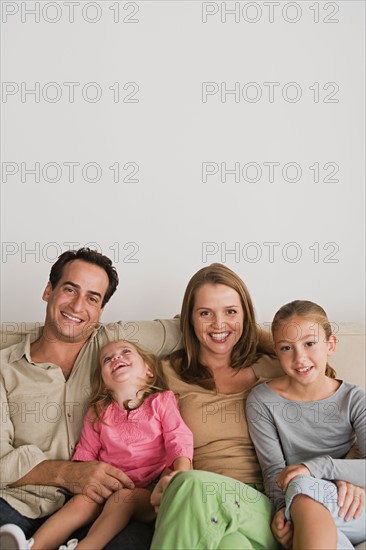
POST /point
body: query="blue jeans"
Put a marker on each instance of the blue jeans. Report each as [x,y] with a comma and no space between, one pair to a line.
[136,536]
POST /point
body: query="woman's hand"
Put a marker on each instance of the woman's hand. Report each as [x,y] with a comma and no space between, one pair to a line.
[351,500]
[282,529]
[288,473]
[157,494]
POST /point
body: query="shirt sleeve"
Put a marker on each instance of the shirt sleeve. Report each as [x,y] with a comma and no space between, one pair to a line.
[14,462]
[353,471]
[178,438]
[267,445]
[89,445]
[161,337]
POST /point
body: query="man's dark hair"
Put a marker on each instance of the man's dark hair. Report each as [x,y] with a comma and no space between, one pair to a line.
[91,257]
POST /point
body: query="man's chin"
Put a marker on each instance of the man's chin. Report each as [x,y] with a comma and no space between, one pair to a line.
[68,332]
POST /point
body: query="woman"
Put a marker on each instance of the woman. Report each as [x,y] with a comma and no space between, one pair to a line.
[220,505]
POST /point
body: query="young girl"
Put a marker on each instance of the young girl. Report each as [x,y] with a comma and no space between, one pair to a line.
[302,425]
[135,426]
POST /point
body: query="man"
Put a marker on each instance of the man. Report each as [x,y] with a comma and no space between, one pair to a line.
[44,391]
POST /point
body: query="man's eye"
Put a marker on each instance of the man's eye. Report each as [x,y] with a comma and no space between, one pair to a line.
[93,299]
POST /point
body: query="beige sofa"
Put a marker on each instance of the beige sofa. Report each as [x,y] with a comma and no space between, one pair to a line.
[348,360]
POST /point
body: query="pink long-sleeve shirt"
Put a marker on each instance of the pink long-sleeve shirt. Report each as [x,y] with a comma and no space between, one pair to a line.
[141,443]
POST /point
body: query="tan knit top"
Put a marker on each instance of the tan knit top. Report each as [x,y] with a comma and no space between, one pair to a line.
[221,439]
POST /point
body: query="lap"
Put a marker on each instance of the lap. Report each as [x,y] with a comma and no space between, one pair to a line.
[326,493]
[199,510]
[136,536]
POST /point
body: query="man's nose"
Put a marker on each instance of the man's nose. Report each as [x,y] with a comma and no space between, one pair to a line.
[77,303]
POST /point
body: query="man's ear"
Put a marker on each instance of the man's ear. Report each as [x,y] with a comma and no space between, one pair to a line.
[47,291]
[332,343]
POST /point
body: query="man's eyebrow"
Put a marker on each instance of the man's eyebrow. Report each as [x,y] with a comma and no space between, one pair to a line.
[74,285]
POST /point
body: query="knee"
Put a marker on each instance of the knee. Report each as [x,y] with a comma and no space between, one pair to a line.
[299,485]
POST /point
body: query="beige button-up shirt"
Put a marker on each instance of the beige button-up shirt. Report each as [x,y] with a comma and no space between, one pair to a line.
[42,413]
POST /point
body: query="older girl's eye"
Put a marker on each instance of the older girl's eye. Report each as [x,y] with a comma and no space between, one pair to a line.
[106,360]
[310,344]
[126,350]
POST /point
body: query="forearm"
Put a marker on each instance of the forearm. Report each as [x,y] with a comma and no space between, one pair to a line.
[326,467]
[57,473]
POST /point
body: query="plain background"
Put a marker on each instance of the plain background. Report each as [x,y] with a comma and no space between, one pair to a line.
[150,97]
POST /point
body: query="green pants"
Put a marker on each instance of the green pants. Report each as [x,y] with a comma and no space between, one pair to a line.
[202,510]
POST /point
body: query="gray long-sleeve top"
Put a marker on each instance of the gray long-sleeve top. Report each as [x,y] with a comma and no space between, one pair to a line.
[317,434]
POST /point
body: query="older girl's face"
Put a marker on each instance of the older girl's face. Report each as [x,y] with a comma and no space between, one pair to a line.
[217,319]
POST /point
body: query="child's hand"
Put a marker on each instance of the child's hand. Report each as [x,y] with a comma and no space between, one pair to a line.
[288,473]
[282,529]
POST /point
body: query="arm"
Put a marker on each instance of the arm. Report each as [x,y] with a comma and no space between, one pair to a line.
[178,437]
[29,465]
[161,337]
[97,480]
[268,447]
[352,471]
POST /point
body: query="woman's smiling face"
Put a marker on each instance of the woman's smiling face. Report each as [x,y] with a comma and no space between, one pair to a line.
[217,319]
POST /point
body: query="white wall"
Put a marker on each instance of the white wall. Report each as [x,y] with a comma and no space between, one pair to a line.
[298,72]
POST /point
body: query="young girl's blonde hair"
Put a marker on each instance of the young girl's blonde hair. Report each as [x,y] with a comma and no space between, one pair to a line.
[101,396]
[308,310]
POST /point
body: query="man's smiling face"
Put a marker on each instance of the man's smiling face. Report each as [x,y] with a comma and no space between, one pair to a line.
[74,306]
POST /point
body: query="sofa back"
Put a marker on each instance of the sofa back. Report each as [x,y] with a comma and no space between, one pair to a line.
[348,359]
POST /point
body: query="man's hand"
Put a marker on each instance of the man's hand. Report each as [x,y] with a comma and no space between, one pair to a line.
[157,494]
[288,473]
[97,480]
[351,500]
[282,529]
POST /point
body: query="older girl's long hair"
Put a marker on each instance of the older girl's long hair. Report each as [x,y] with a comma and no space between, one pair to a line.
[307,310]
[101,397]
[186,363]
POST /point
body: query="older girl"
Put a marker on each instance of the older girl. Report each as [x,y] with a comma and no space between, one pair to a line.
[303,424]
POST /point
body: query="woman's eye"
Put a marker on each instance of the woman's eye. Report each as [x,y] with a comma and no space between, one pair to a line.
[285,348]
[231,311]
[310,344]
[204,313]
